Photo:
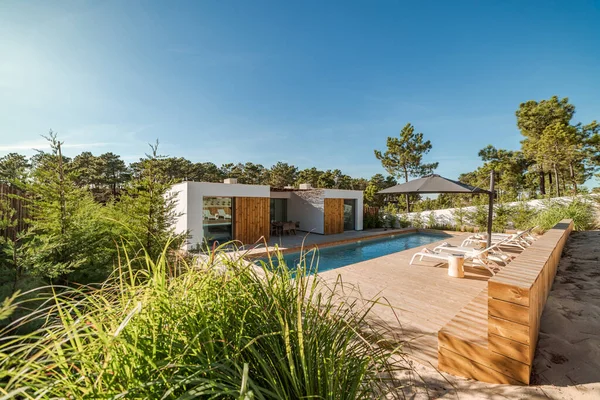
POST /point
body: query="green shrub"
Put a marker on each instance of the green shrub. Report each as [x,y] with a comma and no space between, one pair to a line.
[478,217]
[442,227]
[460,216]
[502,216]
[417,220]
[372,221]
[582,213]
[523,216]
[431,221]
[223,329]
[403,221]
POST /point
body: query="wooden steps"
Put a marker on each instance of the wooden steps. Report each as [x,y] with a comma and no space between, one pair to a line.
[463,348]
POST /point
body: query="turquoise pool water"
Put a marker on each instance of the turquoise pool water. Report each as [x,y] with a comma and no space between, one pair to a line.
[339,256]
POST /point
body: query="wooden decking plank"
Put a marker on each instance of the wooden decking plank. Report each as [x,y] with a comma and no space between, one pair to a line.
[509,329]
[423,296]
[462,366]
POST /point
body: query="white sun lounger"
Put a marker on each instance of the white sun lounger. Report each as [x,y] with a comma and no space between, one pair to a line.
[208,215]
[526,235]
[508,240]
[223,214]
[494,253]
[477,256]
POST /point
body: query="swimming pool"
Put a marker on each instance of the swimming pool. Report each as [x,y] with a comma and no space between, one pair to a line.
[339,256]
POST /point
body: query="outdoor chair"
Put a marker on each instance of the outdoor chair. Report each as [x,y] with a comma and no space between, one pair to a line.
[223,214]
[493,253]
[476,256]
[526,235]
[289,227]
[276,228]
[208,215]
[520,240]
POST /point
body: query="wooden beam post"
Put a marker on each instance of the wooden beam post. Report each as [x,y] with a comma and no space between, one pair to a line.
[490,210]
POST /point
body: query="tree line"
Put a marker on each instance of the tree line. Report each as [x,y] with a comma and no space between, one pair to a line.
[83,212]
[557,156]
[106,175]
[70,235]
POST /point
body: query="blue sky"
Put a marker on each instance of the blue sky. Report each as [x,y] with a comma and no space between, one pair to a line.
[311,83]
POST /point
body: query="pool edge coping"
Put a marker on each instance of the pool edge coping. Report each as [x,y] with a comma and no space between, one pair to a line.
[402,231]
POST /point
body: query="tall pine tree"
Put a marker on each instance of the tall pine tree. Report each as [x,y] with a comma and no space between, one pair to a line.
[148,206]
[404,156]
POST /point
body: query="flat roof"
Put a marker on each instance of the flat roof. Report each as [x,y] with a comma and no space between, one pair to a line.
[308,190]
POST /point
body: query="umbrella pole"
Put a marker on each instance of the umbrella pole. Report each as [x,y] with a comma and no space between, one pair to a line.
[490,210]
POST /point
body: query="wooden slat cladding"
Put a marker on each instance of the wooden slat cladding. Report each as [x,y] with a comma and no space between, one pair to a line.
[333,216]
[515,298]
[251,219]
[525,285]
[13,204]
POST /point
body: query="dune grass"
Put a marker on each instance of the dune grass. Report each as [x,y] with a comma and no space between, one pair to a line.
[220,329]
[581,211]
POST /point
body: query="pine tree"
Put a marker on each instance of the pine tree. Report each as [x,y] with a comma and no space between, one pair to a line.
[148,206]
[67,231]
[404,156]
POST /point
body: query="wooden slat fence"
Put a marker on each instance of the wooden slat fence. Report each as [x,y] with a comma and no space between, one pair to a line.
[13,206]
[371,210]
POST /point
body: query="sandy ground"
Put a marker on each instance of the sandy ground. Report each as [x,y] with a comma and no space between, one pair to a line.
[567,360]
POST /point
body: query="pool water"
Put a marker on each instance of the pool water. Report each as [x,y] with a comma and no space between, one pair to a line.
[339,256]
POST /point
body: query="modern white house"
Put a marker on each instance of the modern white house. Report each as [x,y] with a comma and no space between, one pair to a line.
[226,211]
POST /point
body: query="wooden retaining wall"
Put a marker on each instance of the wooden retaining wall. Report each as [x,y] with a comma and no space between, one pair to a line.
[493,339]
[333,216]
[251,219]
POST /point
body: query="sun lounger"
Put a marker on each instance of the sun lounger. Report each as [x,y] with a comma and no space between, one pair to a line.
[508,240]
[494,252]
[525,235]
[223,214]
[476,256]
[208,215]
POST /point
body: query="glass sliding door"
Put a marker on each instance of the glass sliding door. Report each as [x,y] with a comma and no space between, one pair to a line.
[217,219]
[278,210]
[349,214]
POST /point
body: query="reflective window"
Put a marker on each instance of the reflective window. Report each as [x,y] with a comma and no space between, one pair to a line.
[217,218]
[349,214]
[278,210]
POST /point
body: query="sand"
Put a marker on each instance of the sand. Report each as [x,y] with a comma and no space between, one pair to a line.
[567,360]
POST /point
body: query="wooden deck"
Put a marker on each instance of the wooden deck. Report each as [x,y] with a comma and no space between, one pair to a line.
[480,327]
[415,300]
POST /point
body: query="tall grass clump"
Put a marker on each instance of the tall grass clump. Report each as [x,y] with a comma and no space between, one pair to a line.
[220,328]
[478,217]
[523,216]
[581,211]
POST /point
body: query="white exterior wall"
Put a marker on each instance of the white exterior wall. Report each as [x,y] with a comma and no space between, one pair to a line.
[192,195]
[180,192]
[308,207]
[349,194]
[281,195]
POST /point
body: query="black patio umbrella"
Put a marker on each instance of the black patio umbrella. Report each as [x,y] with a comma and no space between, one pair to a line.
[437,184]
